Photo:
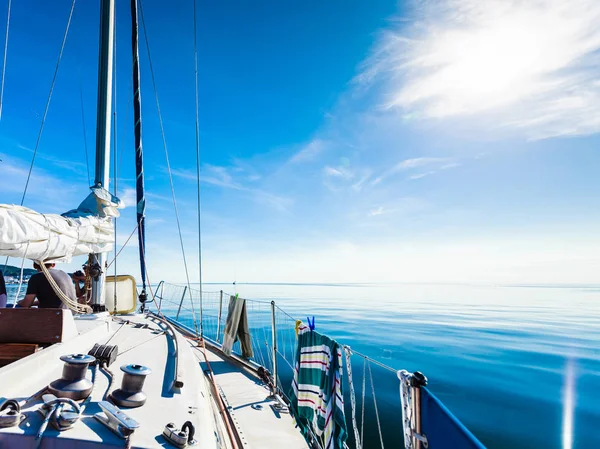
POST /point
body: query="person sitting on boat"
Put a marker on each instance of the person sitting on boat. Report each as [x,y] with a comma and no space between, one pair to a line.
[2,291]
[39,287]
[83,292]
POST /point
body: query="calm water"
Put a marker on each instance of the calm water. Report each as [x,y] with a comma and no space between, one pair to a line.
[498,357]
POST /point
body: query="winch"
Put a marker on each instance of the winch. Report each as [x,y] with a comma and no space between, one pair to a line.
[73,384]
[130,394]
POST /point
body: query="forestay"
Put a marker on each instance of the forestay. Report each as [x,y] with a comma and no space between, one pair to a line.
[87,229]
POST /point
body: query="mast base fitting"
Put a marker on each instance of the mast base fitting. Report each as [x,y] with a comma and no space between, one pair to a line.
[73,384]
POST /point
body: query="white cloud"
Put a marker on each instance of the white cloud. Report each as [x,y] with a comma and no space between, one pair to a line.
[225,177]
[338,172]
[439,163]
[525,65]
[128,197]
[421,175]
[310,151]
[378,211]
[46,193]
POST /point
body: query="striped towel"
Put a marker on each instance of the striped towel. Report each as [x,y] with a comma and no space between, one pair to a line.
[317,396]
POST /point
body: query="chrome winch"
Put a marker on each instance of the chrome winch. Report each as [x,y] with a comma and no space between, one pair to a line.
[130,394]
[73,384]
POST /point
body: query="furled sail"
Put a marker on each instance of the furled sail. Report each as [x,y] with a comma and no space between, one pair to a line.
[87,229]
[139,154]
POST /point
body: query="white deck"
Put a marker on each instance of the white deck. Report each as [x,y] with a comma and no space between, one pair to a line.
[151,347]
[265,428]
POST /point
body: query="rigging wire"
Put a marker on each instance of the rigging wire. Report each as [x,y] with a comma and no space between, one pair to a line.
[122,247]
[5,53]
[115,148]
[162,130]
[198,162]
[85,144]
[37,143]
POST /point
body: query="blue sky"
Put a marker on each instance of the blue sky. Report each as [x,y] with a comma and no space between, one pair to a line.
[444,141]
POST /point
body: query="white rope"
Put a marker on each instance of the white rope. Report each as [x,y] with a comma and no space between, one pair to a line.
[405,403]
[348,353]
[68,302]
[21,277]
[375,403]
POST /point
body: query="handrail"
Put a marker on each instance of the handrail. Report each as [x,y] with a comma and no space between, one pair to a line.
[422,413]
[178,375]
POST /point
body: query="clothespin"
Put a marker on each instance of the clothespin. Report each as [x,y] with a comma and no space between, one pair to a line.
[311,324]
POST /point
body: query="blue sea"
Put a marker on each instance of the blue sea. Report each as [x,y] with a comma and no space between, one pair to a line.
[518,365]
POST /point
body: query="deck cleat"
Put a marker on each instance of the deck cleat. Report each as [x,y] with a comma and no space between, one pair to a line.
[116,420]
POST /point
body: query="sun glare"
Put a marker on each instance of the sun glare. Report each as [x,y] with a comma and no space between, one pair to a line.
[568,405]
[491,55]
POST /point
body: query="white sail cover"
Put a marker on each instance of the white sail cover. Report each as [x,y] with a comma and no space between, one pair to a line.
[87,229]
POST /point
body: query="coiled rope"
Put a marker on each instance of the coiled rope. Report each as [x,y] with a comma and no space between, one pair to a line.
[68,302]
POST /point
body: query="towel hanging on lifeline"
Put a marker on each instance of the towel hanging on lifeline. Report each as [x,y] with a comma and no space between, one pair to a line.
[237,328]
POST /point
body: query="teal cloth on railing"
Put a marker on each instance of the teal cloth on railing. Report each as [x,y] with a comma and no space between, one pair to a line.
[317,397]
[442,429]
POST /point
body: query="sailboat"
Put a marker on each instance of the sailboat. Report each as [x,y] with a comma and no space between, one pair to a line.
[126,371]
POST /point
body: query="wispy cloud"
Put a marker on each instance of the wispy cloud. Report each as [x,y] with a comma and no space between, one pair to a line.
[378,211]
[433,164]
[310,151]
[524,65]
[228,178]
[46,192]
[338,172]
[405,207]
[75,166]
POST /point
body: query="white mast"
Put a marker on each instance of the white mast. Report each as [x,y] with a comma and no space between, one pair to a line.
[105,74]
